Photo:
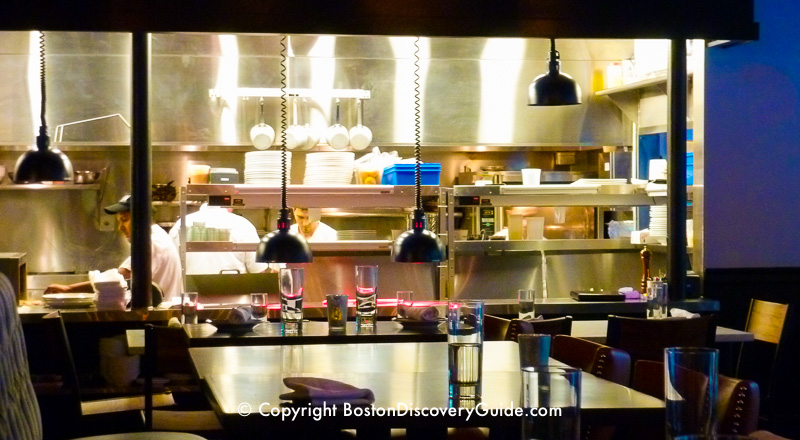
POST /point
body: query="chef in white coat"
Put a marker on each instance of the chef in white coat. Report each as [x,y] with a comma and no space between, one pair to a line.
[309,225]
[241,231]
[166,262]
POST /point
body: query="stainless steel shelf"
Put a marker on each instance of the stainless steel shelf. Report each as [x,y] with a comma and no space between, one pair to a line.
[494,194]
[345,196]
[349,246]
[50,187]
[659,81]
[571,246]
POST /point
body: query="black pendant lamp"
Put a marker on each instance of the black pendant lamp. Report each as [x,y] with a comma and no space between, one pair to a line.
[554,87]
[417,245]
[42,163]
[283,245]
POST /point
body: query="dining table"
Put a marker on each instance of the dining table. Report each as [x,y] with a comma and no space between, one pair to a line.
[318,332]
[410,383]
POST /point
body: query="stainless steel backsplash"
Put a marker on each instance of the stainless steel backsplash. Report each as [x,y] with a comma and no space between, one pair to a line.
[472,90]
[473,93]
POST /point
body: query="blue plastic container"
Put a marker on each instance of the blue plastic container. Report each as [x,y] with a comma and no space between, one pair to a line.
[403,174]
[689,169]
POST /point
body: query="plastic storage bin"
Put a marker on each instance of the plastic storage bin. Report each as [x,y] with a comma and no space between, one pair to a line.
[403,174]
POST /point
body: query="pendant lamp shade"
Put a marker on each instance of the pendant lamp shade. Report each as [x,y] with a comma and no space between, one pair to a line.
[417,245]
[554,87]
[42,163]
[283,245]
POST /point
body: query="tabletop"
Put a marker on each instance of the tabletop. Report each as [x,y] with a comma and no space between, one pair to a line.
[402,376]
[316,332]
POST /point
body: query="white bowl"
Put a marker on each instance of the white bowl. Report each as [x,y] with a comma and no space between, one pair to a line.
[337,136]
[262,136]
[313,137]
[296,137]
[360,137]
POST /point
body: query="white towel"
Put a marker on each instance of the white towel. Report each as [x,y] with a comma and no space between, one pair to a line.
[680,313]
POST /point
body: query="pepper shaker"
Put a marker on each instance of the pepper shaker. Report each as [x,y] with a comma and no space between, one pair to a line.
[645,254]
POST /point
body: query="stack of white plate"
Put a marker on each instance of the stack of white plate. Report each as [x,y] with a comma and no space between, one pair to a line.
[111,295]
[658,221]
[357,234]
[264,167]
[329,168]
[65,300]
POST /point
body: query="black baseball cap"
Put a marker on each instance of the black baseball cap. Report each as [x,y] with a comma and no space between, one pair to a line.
[123,205]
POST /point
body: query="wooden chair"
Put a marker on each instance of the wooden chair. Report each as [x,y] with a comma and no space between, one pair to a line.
[167,349]
[738,400]
[553,326]
[600,360]
[19,410]
[495,328]
[759,360]
[647,338]
[91,416]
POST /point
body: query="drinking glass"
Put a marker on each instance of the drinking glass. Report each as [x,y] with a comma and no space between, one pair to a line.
[189,307]
[691,382]
[465,348]
[366,295]
[258,305]
[534,350]
[291,285]
[554,393]
[657,299]
[337,312]
[405,298]
[526,297]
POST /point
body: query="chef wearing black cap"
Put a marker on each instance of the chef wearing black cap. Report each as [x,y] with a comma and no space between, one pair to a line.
[166,263]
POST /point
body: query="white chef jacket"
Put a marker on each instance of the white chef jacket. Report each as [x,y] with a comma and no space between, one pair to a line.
[242,231]
[322,233]
[165,264]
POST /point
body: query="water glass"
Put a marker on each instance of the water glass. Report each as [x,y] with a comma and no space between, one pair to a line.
[554,393]
[691,382]
[405,299]
[258,305]
[337,312]
[657,299]
[534,350]
[526,297]
[291,285]
[366,295]
[189,307]
[465,348]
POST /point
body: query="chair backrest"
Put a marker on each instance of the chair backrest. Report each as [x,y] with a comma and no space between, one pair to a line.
[19,410]
[600,360]
[738,400]
[495,328]
[575,352]
[166,349]
[647,338]
[518,327]
[761,359]
[554,326]
[766,320]
[56,334]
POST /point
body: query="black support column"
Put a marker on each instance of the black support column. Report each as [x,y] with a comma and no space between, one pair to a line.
[141,159]
[676,171]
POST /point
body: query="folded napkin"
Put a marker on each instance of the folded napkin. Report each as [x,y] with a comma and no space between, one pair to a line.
[240,315]
[429,313]
[680,313]
[318,391]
